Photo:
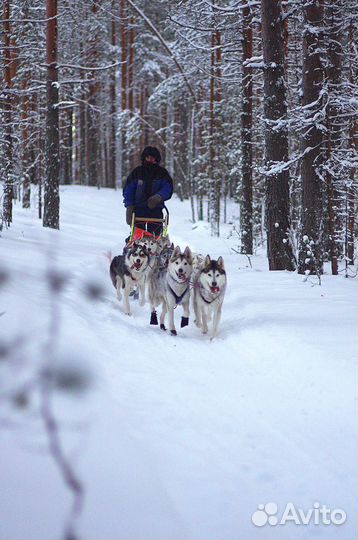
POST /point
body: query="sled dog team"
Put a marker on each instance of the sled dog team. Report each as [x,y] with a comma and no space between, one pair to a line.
[169,277]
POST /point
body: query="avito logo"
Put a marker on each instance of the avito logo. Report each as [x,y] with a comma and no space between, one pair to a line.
[317,515]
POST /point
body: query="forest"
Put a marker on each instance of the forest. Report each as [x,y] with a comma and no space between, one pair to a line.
[254,102]
[111,425]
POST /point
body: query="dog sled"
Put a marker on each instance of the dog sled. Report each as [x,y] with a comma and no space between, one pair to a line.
[152,269]
[140,232]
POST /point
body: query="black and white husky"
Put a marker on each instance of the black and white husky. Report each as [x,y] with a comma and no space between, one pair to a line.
[169,285]
[209,287]
[151,245]
[129,270]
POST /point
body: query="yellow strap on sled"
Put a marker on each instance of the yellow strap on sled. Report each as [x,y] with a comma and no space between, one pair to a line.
[165,230]
[133,225]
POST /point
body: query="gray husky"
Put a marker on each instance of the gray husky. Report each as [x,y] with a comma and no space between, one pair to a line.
[128,270]
[169,285]
[209,286]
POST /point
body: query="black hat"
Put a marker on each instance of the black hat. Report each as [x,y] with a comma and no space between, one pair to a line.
[151,151]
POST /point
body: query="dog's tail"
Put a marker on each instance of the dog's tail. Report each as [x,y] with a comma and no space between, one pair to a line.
[108,255]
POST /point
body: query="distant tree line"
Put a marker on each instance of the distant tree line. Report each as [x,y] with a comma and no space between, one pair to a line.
[250,101]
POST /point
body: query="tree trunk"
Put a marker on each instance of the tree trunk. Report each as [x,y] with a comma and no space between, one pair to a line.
[124,84]
[113,110]
[351,195]
[39,150]
[8,187]
[67,144]
[34,145]
[279,249]
[246,138]
[93,120]
[334,79]
[83,175]
[310,251]
[353,146]
[51,196]
[25,158]
[92,137]
[130,82]
[214,130]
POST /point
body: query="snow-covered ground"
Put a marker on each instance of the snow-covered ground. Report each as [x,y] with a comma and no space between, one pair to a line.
[175,437]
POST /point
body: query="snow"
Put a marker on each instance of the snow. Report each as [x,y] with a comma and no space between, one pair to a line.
[174,437]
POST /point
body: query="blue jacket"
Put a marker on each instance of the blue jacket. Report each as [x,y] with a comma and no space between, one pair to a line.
[143,182]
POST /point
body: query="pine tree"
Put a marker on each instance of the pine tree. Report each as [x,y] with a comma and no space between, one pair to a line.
[310,255]
[9,177]
[279,249]
[51,196]
[246,211]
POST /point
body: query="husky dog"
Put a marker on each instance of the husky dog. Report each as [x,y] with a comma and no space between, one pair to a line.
[156,273]
[165,255]
[209,286]
[169,285]
[198,264]
[150,243]
[159,251]
[163,241]
[152,247]
[161,260]
[128,270]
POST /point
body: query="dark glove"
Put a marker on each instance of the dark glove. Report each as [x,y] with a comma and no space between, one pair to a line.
[129,213]
[153,201]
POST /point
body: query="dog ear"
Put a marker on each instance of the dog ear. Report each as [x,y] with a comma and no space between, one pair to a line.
[207,260]
[220,263]
[176,253]
[187,253]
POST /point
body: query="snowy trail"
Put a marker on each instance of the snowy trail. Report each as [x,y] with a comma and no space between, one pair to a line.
[187,436]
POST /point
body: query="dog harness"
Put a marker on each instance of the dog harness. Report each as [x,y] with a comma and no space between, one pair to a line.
[130,273]
[178,299]
[205,300]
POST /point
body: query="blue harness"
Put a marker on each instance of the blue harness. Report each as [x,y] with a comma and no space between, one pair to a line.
[178,299]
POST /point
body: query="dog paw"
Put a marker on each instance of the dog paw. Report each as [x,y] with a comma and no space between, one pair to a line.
[154,319]
[184,322]
[162,327]
[204,332]
[173,332]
